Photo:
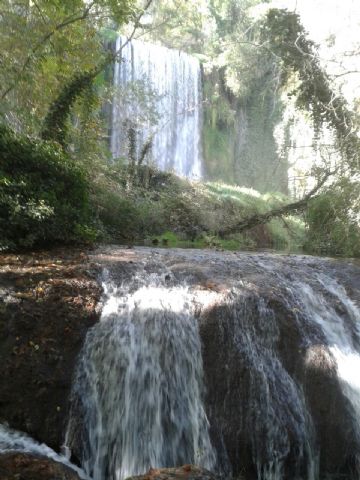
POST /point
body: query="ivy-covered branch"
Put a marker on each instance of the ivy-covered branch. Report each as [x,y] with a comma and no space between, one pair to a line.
[283,211]
[287,39]
[54,127]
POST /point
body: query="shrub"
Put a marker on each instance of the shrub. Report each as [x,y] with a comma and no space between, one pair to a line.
[43,195]
[332,225]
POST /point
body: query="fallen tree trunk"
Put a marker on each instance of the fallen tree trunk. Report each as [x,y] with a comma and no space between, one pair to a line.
[294,207]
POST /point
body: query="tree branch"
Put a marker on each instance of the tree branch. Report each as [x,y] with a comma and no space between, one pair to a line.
[65,23]
[299,205]
[54,126]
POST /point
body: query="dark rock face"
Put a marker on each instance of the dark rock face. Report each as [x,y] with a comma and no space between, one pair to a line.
[304,398]
[47,303]
[24,466]
[186,472]
[236,390]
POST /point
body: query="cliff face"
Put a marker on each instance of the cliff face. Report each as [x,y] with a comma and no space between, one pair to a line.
[279,335]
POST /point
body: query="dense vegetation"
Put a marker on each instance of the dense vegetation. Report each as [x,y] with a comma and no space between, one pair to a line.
[58,185]
[43,194]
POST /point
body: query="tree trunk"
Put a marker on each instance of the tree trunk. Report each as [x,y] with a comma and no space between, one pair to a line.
[294,207]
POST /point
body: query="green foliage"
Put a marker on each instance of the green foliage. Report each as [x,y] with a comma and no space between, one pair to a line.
[168,211]
[333,224]
[287,39]
[56,120]
[45,46]
[184,25]
[43,195]
[118,218]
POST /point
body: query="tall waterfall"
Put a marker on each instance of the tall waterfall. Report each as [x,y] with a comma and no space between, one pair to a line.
[175,79]
[139,383]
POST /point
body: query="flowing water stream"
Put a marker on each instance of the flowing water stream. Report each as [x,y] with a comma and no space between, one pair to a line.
[13,441]
[139,382]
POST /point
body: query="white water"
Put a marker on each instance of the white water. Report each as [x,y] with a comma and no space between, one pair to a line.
[139,383]
[276,416]
[176,78]
[13,441]
[342,333]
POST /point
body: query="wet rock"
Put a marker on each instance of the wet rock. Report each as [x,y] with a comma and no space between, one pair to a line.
[186,472]
[266,362]
[48,301]
[24,466]
[276,405]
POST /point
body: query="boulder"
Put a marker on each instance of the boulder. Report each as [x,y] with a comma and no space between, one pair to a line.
[25,466]
[186,472]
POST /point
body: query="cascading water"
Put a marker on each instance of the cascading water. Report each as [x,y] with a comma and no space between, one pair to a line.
[138,389]
[139,383]
[175,79]
[274,411]
[340,324]
[274,339]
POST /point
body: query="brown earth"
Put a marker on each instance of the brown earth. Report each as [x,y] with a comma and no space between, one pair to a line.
[48,300]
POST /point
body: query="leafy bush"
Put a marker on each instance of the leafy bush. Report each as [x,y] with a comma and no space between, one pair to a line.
[333,227]
[43,195]
[118,217]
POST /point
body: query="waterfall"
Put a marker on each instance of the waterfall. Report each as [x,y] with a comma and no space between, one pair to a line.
[263,343]
[139,383]
[158,85]
[272,409]
[340,324]
[245,364]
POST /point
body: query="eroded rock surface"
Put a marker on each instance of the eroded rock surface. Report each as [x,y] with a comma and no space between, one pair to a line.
[48,301]
[24,466]
[273,330]
[275,401]
[186,472]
